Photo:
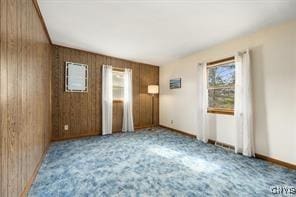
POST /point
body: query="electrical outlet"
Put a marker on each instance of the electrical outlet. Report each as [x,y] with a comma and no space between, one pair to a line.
[172,122]
[66,127]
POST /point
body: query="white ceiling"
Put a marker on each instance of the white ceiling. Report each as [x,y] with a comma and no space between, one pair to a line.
[157,31]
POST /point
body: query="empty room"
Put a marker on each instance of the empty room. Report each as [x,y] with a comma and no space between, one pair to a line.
[147,98]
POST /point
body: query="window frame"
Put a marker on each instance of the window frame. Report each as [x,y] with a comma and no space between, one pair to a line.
[217,63]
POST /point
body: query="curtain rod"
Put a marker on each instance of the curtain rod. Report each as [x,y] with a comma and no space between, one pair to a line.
[227,59]
[220,61]
[118,68]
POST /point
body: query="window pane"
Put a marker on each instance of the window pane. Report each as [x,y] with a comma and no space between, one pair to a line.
[118,79]
[220,76]
[221,98]
[118,85]
[118,93]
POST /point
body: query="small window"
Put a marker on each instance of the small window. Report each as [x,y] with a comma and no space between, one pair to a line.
[221,81]
[118,85]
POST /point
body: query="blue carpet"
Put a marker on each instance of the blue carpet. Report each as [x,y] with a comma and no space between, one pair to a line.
[158,163]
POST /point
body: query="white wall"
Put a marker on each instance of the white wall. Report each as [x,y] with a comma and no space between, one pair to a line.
[273,53]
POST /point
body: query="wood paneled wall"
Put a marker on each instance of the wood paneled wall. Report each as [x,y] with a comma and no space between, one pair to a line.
[82,111]
[25,116]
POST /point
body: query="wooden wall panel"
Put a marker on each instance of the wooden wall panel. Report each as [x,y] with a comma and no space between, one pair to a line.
[25,115]
[117,116]
[82,111]
[149,75]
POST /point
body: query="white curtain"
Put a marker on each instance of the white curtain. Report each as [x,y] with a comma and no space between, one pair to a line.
[243,112]
[128,122]
[203,132]
[107,99]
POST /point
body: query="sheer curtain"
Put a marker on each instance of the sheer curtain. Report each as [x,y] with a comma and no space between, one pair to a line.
[243,112]
[128,122]
[203,132]
[107,99]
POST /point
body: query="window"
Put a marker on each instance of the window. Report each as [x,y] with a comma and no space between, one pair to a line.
[118,85]
[221,80]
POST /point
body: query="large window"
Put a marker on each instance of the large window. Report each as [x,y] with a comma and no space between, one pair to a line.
[221,80]
[118,85]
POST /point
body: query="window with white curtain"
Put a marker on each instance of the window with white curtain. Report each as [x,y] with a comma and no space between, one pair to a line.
[221,81]
[118,85]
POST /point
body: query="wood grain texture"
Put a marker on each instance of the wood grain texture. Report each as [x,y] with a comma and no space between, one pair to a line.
[82,111]
[25,69]
[148,76]
[33,176]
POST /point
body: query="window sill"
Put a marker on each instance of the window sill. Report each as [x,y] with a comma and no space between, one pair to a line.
[221,111]
[117,101]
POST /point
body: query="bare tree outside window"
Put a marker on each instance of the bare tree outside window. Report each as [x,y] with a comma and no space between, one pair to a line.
[221,81]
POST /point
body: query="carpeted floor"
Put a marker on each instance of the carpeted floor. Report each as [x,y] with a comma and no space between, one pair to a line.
[158,163]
